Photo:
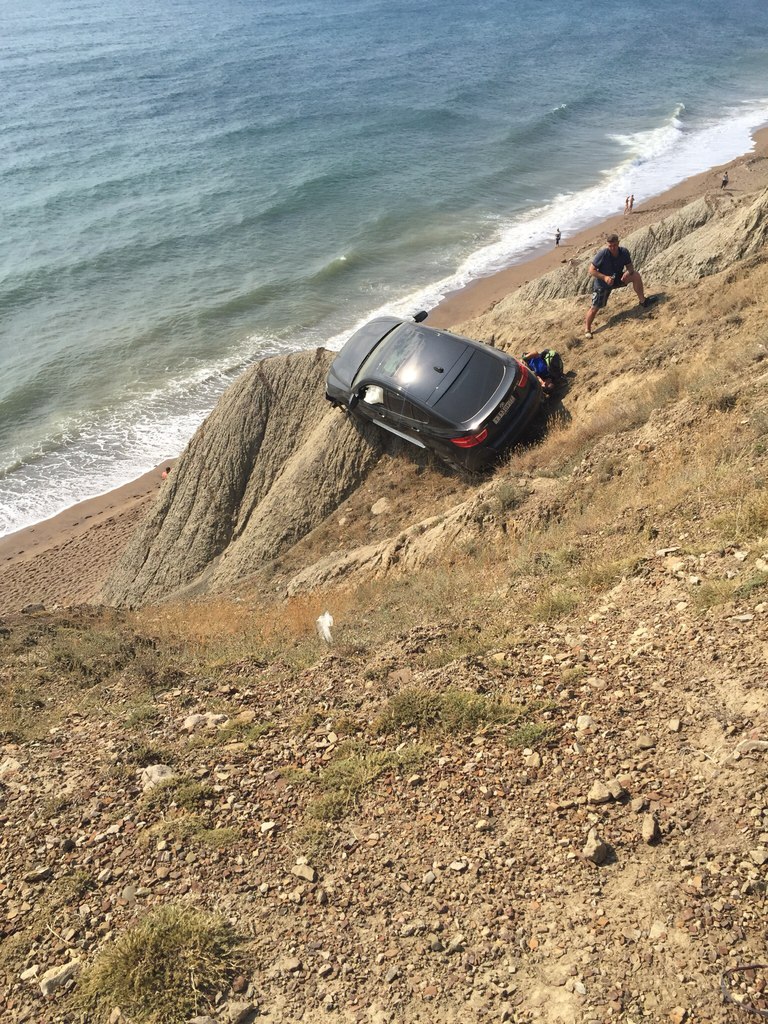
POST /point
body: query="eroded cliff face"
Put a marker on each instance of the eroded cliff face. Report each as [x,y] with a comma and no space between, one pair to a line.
[269,463]
[274,460]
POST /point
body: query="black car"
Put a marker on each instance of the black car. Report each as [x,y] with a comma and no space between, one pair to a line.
[463,400]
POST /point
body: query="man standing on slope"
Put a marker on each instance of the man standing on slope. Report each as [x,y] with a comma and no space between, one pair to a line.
[612,268]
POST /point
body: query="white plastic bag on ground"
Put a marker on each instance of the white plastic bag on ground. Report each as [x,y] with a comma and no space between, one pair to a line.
[324,623]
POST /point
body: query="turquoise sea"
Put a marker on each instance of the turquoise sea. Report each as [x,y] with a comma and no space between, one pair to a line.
[187,186]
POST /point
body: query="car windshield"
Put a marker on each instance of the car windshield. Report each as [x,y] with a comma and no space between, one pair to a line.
[397,357]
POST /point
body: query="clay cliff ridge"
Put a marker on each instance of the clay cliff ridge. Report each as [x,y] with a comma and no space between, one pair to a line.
[269,463]
[273,461]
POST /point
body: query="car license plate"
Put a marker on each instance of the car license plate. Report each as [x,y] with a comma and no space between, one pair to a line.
[504,408]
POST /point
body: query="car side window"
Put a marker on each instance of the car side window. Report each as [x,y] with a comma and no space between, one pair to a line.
[401,407]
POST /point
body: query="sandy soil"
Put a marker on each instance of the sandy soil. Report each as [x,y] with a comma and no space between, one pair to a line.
[64,560]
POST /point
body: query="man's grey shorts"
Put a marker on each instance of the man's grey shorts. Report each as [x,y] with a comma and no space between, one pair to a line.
[601,291]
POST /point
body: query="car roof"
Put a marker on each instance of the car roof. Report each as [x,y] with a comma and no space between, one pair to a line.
[424,361]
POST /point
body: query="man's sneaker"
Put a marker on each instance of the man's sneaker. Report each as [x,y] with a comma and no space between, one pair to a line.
[649,301]
[587,334]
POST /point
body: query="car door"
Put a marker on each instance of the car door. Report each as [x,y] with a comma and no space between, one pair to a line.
[391,410]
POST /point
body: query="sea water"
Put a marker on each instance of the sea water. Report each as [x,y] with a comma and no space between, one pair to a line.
[189,186]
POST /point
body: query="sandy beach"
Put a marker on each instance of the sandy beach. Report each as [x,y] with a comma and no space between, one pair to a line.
[64,560]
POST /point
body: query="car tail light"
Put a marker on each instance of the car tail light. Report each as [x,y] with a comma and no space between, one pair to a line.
[471,440]
[523,378]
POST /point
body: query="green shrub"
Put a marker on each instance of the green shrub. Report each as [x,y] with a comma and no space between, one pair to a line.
[181,791]
[345,779]
[309,720]
[529,734]
[510,495]
[191,795]
[411,708]
[194,828]
[713,593]
[756,582]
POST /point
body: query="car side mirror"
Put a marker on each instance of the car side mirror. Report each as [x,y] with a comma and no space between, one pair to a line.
[420,316]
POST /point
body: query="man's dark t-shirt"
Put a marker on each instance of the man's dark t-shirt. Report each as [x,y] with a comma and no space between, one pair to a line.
[607,263]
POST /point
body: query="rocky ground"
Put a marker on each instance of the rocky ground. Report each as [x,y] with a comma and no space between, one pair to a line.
[614,869]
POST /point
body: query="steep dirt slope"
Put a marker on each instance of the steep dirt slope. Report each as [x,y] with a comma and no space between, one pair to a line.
[266,466]
[272,461]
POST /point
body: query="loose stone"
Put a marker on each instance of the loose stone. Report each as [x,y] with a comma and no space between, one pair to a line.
[304,871]
[599,794]
[595,849]
[54,978]
[651,833]
[240,1012]
[154,774]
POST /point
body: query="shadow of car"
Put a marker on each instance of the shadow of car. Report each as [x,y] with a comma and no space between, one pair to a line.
[463,400]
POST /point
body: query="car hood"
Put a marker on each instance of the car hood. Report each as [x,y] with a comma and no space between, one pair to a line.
[358,347]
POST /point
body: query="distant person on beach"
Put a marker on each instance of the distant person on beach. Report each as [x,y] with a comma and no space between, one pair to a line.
[165,472]
[724,182]
[631,203]
[626,205]
[558,236]
[612,268]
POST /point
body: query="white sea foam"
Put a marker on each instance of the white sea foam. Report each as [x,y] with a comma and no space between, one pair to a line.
[96,453]
[657,159]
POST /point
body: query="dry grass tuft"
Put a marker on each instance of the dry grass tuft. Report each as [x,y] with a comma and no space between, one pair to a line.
[166,968]
[554,603]
[455,712]
[192,828]
[223,635]
[345,780]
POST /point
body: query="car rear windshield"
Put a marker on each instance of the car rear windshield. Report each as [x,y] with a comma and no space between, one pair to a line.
[474,386]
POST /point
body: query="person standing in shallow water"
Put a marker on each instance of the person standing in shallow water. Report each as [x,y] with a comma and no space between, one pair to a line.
[612,268]
[631,203]
[626,205]
[558,236]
